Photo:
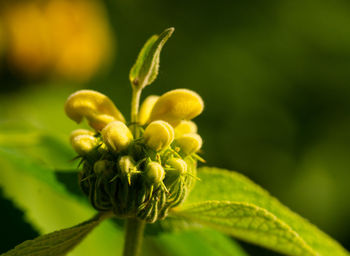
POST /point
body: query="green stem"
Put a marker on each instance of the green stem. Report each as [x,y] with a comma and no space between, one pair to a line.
[133,236]
[135,103]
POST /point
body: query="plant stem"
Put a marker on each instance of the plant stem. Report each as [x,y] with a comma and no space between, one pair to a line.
[133,236]
[135,103]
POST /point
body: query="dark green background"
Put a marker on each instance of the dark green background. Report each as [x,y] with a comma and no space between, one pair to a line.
[275,78]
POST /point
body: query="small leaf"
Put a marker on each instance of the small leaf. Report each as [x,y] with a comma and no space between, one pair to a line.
[145,70]
[231,203]
[57,243]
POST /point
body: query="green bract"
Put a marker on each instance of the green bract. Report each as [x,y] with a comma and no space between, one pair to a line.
[136,181]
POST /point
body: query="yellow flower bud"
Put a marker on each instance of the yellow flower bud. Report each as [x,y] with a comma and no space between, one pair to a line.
[146,108]
[154,173]
[96,107]
[2,39]
[185,127]
[117,136]
[158,135]
[177,105]
[178,164]
[126,164]
[78,132]
[189,143]
[83,144]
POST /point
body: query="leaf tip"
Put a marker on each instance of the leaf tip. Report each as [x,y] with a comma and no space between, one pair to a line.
[167,32]
[170,30]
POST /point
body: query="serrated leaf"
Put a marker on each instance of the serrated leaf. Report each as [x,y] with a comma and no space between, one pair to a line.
[231,203]
[57,243]
[145,70]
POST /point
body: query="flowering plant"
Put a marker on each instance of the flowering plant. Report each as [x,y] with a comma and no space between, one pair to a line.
[145,171]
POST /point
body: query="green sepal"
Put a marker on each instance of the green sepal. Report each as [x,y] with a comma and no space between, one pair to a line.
[145,69]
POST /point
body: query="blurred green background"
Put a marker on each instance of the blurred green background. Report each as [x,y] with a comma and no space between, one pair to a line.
[274,75]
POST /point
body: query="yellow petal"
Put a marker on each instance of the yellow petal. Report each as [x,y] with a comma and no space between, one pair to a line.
[146,108]
[83,144]
[96,107]
[159,135]
[185,127]
[189,143]
[117,136]
[98,122]
[177,105]
[78,132]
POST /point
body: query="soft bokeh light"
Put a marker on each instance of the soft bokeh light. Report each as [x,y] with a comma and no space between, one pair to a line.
[69,39]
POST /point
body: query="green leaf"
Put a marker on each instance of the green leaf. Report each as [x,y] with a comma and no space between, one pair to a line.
[30,166]
[171,224]
[231,203]
[57,243]
[69,180]
[145,70]
[48,206]
[199,242]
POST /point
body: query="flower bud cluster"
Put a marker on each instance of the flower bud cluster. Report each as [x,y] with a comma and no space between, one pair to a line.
[139,177]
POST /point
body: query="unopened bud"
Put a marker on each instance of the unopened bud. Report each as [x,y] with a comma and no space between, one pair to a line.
[154,173]
[179,166]
[159,135]
[117,136]
[84,144]
[189,143]
[185,127]
[126,164]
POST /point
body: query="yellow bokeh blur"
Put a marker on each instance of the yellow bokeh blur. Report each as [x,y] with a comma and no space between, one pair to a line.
[65,38]
[2,39]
